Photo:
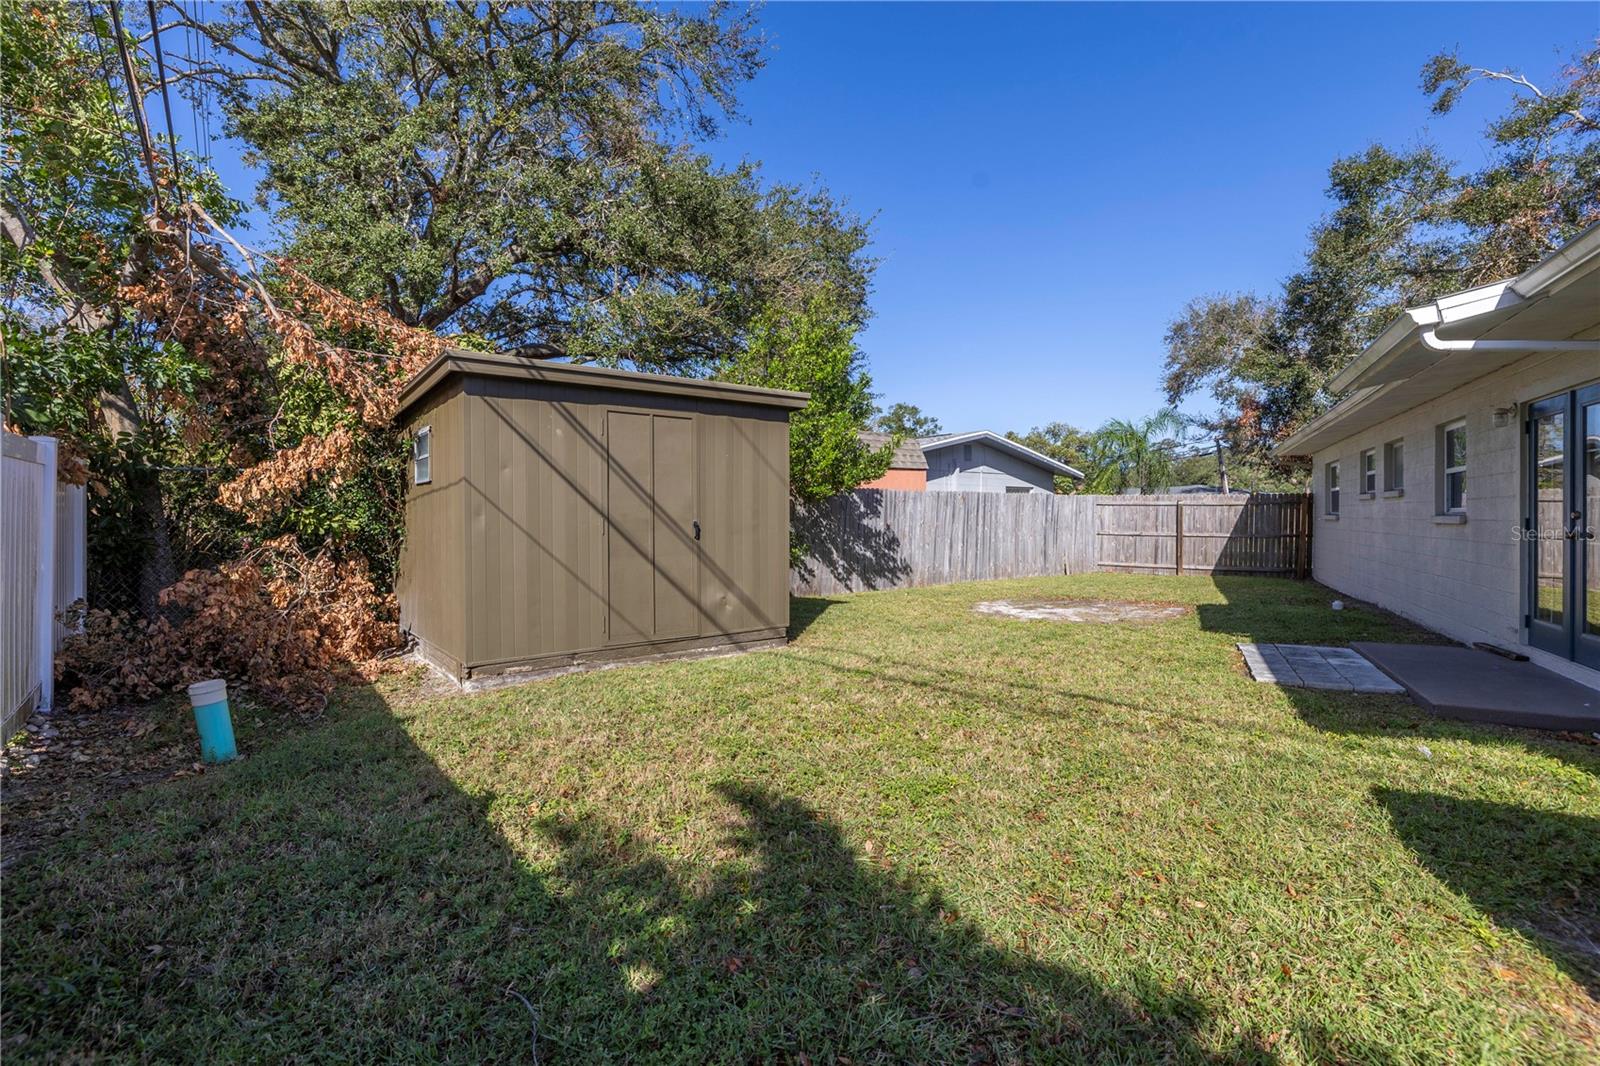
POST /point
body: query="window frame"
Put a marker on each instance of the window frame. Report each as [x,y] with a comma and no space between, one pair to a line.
[1330,488]
[1446,471]
[422,452]
[1391,451]
[1367,469]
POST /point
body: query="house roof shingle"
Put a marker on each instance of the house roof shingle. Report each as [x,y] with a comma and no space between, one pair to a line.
[906,457]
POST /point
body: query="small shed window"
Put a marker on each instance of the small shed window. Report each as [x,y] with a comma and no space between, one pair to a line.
[1330,486]
[1453,467]
[1394,466]
[1369,472]
[422,456]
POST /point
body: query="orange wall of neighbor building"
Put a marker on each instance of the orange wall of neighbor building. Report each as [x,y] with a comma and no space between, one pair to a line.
[904,480]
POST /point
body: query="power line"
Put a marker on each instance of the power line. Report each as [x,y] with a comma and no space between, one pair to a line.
[138,106]
[105,76]
[166,99]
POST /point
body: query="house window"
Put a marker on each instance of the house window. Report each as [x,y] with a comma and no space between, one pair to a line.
[1330,484]
[1019,488]
[1369,472]
[422,456]
[966,453]
[1453,467]
[1394,466]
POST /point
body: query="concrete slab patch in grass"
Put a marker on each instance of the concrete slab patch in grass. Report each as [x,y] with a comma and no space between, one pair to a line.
[1316,666]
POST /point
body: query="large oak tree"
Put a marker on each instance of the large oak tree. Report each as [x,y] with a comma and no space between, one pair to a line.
[526,172]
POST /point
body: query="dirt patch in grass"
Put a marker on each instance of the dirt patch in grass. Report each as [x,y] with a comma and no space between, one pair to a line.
[1094,612]
[60,768]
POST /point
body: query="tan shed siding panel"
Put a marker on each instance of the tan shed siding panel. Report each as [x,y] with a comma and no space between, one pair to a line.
[533,511]
[537,501]
[744,474]
[676,509]
[430,585]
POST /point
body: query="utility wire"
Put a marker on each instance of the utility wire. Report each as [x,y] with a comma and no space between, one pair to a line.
[166,99]
[105,76]
[138,105]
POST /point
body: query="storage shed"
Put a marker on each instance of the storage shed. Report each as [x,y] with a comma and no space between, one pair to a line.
[559,514]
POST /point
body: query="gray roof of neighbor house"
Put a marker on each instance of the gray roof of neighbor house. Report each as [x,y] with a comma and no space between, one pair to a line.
[1429,350]
[1005,444]
[906,457]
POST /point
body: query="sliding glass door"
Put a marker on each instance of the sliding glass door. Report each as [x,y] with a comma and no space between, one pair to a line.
[1562,525]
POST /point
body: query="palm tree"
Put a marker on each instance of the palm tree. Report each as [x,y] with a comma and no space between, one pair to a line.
[1133,455]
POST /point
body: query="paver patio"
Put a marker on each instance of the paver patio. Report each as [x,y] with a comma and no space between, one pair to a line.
[1316,666]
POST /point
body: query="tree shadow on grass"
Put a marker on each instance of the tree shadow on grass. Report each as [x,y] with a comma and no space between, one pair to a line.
[338,897]
[805,610]
[1531,870]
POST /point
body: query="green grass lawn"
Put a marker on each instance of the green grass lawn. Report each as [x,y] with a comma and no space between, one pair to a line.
[916,834]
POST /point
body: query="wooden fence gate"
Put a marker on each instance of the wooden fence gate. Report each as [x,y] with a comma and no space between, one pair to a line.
[1264,533]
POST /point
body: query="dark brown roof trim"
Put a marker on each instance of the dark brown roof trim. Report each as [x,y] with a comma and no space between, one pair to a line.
[494,365]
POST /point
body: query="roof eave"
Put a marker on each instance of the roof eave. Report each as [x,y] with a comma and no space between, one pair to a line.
[1546,276]
[464,361]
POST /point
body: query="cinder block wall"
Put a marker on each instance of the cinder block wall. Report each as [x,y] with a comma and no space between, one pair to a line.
[1463,580]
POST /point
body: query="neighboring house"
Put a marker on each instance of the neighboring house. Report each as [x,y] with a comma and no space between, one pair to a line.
[987,462]
[908,470]
[1459,479]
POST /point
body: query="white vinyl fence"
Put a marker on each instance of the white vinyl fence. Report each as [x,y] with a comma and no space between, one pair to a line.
[42,571]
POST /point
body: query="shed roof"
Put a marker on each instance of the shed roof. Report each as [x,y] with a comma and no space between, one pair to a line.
[517,368]
[908,456]
[1005,444]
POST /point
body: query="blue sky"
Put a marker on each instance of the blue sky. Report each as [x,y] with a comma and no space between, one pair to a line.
[1052,183]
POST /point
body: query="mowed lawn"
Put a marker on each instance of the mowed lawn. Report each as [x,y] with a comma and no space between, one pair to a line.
[916,834]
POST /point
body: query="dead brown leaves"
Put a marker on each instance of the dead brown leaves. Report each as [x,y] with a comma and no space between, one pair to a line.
[283,621]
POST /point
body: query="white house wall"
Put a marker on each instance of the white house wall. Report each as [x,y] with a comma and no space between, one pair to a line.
[989,470]
[1463,580]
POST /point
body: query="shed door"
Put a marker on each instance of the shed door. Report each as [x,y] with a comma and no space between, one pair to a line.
[652,562]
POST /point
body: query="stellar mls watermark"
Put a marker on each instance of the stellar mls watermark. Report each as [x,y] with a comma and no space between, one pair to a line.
[1519,533]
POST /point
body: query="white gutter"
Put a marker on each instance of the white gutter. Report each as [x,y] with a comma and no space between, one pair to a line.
[1548,276]
[1430,339]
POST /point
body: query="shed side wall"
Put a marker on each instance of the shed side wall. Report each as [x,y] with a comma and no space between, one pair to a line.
[429,585]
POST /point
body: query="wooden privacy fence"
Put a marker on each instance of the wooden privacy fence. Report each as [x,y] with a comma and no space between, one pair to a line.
[1263,533]
[879,539]
[41,572]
